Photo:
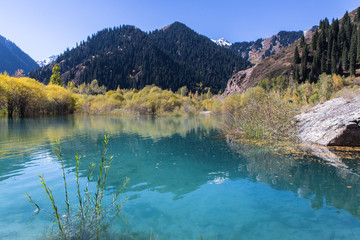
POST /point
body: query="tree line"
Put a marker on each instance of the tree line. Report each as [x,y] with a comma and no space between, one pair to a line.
[334,49]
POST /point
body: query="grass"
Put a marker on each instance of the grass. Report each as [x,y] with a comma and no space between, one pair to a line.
[91,217]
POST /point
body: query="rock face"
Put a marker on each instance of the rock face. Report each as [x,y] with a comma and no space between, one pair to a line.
[239,82]
[333,123]
[278,64]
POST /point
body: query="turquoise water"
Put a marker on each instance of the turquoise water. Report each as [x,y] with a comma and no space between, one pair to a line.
[186,181]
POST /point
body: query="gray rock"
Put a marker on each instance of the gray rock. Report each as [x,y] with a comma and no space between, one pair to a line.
[333,123]
[239,82]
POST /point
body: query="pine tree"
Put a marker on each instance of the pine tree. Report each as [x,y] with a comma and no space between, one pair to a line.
[314,69]
[352,55]
[323,64]
[348,27]
[296,56]
[333,59]
[56,77]
[314,40]
[344,58]
[304,60]
[296,74]
[329,46]
[302,41]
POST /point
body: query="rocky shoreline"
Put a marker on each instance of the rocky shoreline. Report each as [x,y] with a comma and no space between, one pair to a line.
[334,123]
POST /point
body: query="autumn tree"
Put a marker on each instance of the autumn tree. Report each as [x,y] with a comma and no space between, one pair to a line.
[19,73]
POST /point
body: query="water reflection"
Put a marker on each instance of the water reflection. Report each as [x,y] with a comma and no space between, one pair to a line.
[310,177]
[177,166]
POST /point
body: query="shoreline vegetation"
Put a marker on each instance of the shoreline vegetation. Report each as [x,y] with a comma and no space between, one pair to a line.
[264,112]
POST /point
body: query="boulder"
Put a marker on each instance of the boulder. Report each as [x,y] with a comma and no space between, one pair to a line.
[333,123]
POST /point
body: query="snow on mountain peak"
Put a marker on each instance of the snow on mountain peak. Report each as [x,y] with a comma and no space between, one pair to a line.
[222,42]
[47,61]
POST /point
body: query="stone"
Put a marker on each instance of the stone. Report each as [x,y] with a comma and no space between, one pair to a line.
[333,123]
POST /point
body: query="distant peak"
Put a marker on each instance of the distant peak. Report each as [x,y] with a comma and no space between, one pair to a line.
[47,61]
[222,42]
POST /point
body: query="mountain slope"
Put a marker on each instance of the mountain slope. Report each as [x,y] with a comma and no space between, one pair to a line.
[210,62]
[330,48]
[256,51]
[13,58]
[127,57]
[278,64]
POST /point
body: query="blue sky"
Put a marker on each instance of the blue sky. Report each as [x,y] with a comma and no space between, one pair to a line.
[46,27]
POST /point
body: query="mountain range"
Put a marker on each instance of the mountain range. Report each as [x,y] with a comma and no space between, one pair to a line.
[13,58]
[170,58]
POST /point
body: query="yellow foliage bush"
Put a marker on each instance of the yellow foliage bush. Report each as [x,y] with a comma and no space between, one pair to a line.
[27,97]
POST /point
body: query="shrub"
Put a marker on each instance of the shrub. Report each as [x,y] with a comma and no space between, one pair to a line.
[326,86]
[258,115]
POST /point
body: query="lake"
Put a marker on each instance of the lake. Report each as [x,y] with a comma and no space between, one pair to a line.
[187,181]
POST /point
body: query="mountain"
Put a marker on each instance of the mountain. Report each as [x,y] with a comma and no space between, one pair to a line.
[13,58]
[256,51]
[125,56]
[47,61]
[222,42]
[330,48]
[280,63]
[209,62]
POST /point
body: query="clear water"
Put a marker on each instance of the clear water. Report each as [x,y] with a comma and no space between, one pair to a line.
[186,181]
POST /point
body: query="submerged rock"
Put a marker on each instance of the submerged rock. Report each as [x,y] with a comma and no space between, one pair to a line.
[333,123]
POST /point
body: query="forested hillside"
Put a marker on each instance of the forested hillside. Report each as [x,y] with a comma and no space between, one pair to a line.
[125,56]
[334,49]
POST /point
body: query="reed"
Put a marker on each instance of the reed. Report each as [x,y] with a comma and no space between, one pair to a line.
[90,218]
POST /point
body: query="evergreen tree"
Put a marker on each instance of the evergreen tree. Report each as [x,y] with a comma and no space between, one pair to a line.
[296,56]
[340,69]
[56,77]
[335,28]
[344,58]
[296,74]
[329,45]
[314,70]
[314,40]
[323,64]
[304,61]
[348,27]
[352,55]
[333,59]
[302,41]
